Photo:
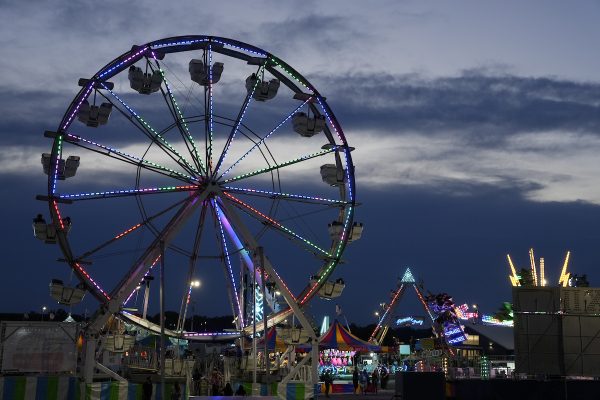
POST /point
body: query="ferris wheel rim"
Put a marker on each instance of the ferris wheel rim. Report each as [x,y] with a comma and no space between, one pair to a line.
[176,45]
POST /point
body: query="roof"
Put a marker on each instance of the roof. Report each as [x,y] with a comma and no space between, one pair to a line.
[337,337]
[503,335]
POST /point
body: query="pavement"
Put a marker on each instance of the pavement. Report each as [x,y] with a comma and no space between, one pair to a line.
[387,394]
[381,394]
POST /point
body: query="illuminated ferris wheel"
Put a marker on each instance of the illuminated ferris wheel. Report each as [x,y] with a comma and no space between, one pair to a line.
[193,155]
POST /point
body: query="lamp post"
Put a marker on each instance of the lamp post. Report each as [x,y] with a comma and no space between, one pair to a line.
[44,308]
[194,283]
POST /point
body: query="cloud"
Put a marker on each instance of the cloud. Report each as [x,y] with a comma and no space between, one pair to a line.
[486,108]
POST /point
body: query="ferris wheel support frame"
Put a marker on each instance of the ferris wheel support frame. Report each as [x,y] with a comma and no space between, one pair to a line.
[251,243]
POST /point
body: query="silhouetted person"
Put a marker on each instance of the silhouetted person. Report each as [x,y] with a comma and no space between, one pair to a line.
[147,389]
[176,395]
[228,390]
[240,391]
[328,381]
[355,379]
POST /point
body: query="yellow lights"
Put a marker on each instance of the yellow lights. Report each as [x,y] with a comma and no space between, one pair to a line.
[514,278]
[539,279]
[533,269]
[195,284]
[564,275]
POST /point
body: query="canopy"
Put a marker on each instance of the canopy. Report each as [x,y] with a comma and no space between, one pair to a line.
[337,337]
[274,343]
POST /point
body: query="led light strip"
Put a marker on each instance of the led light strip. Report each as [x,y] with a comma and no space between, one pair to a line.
[284,164]
[128,231]
[89,278]
[263,139]
[281,194]
[398,291]
[276,62]
[143,122]
[181,117]
[234,287]
[130,191]
[210,117]
[239,121]
[277,224]
[123,154]
[57,162]
[145,275]
[143,50]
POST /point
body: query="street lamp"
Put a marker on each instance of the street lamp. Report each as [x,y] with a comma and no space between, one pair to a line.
[44,308]
[193,284]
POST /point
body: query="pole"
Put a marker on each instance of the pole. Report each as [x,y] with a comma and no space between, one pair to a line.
[261,257]
[254,330]
[162,319]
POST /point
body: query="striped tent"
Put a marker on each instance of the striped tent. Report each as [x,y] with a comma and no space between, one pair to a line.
[337,337]
[274,342]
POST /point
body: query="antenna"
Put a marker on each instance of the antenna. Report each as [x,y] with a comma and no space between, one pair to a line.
[533,269]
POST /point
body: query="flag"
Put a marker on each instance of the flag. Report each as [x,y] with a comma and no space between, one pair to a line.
[338,309]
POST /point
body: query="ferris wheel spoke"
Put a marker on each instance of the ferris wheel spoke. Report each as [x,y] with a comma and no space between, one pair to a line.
[185,300]
[127,231]
[155,136]
[286,196]
[238,120]
[262,140]
[282,165]
[231,285]
[126,192]
[125,157]
[162,240]
[180,120]
[246,243]
[263,218]
[208,110]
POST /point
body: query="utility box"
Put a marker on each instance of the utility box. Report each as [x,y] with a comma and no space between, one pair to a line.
[420,385]
[557,331]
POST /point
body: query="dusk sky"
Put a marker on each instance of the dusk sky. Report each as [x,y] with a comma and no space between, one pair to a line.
[476,127]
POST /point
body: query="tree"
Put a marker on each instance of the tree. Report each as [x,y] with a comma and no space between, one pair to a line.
[505,313]
[525,278]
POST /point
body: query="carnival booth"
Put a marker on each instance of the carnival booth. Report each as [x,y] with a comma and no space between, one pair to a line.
[338,350]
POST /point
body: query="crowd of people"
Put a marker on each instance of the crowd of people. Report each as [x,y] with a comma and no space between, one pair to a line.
[370,381]
[216,385]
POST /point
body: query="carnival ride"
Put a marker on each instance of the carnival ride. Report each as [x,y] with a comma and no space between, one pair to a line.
[439,308]
[205,152]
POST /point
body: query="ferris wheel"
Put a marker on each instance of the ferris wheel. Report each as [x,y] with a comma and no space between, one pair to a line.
[199,154]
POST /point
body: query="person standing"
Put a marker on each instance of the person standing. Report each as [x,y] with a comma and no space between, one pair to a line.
[328,381]
[355,379]
[364,381]
[176,395]
[147,389]
[375,379]
[228,390]
[385,376]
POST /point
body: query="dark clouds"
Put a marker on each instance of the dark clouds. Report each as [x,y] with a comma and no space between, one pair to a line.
[482,106]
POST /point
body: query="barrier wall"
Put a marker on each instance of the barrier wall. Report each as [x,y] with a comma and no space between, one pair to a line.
[291,391]
[69,388]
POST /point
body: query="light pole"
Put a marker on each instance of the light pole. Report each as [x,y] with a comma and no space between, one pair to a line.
[44,308]
[195,283]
